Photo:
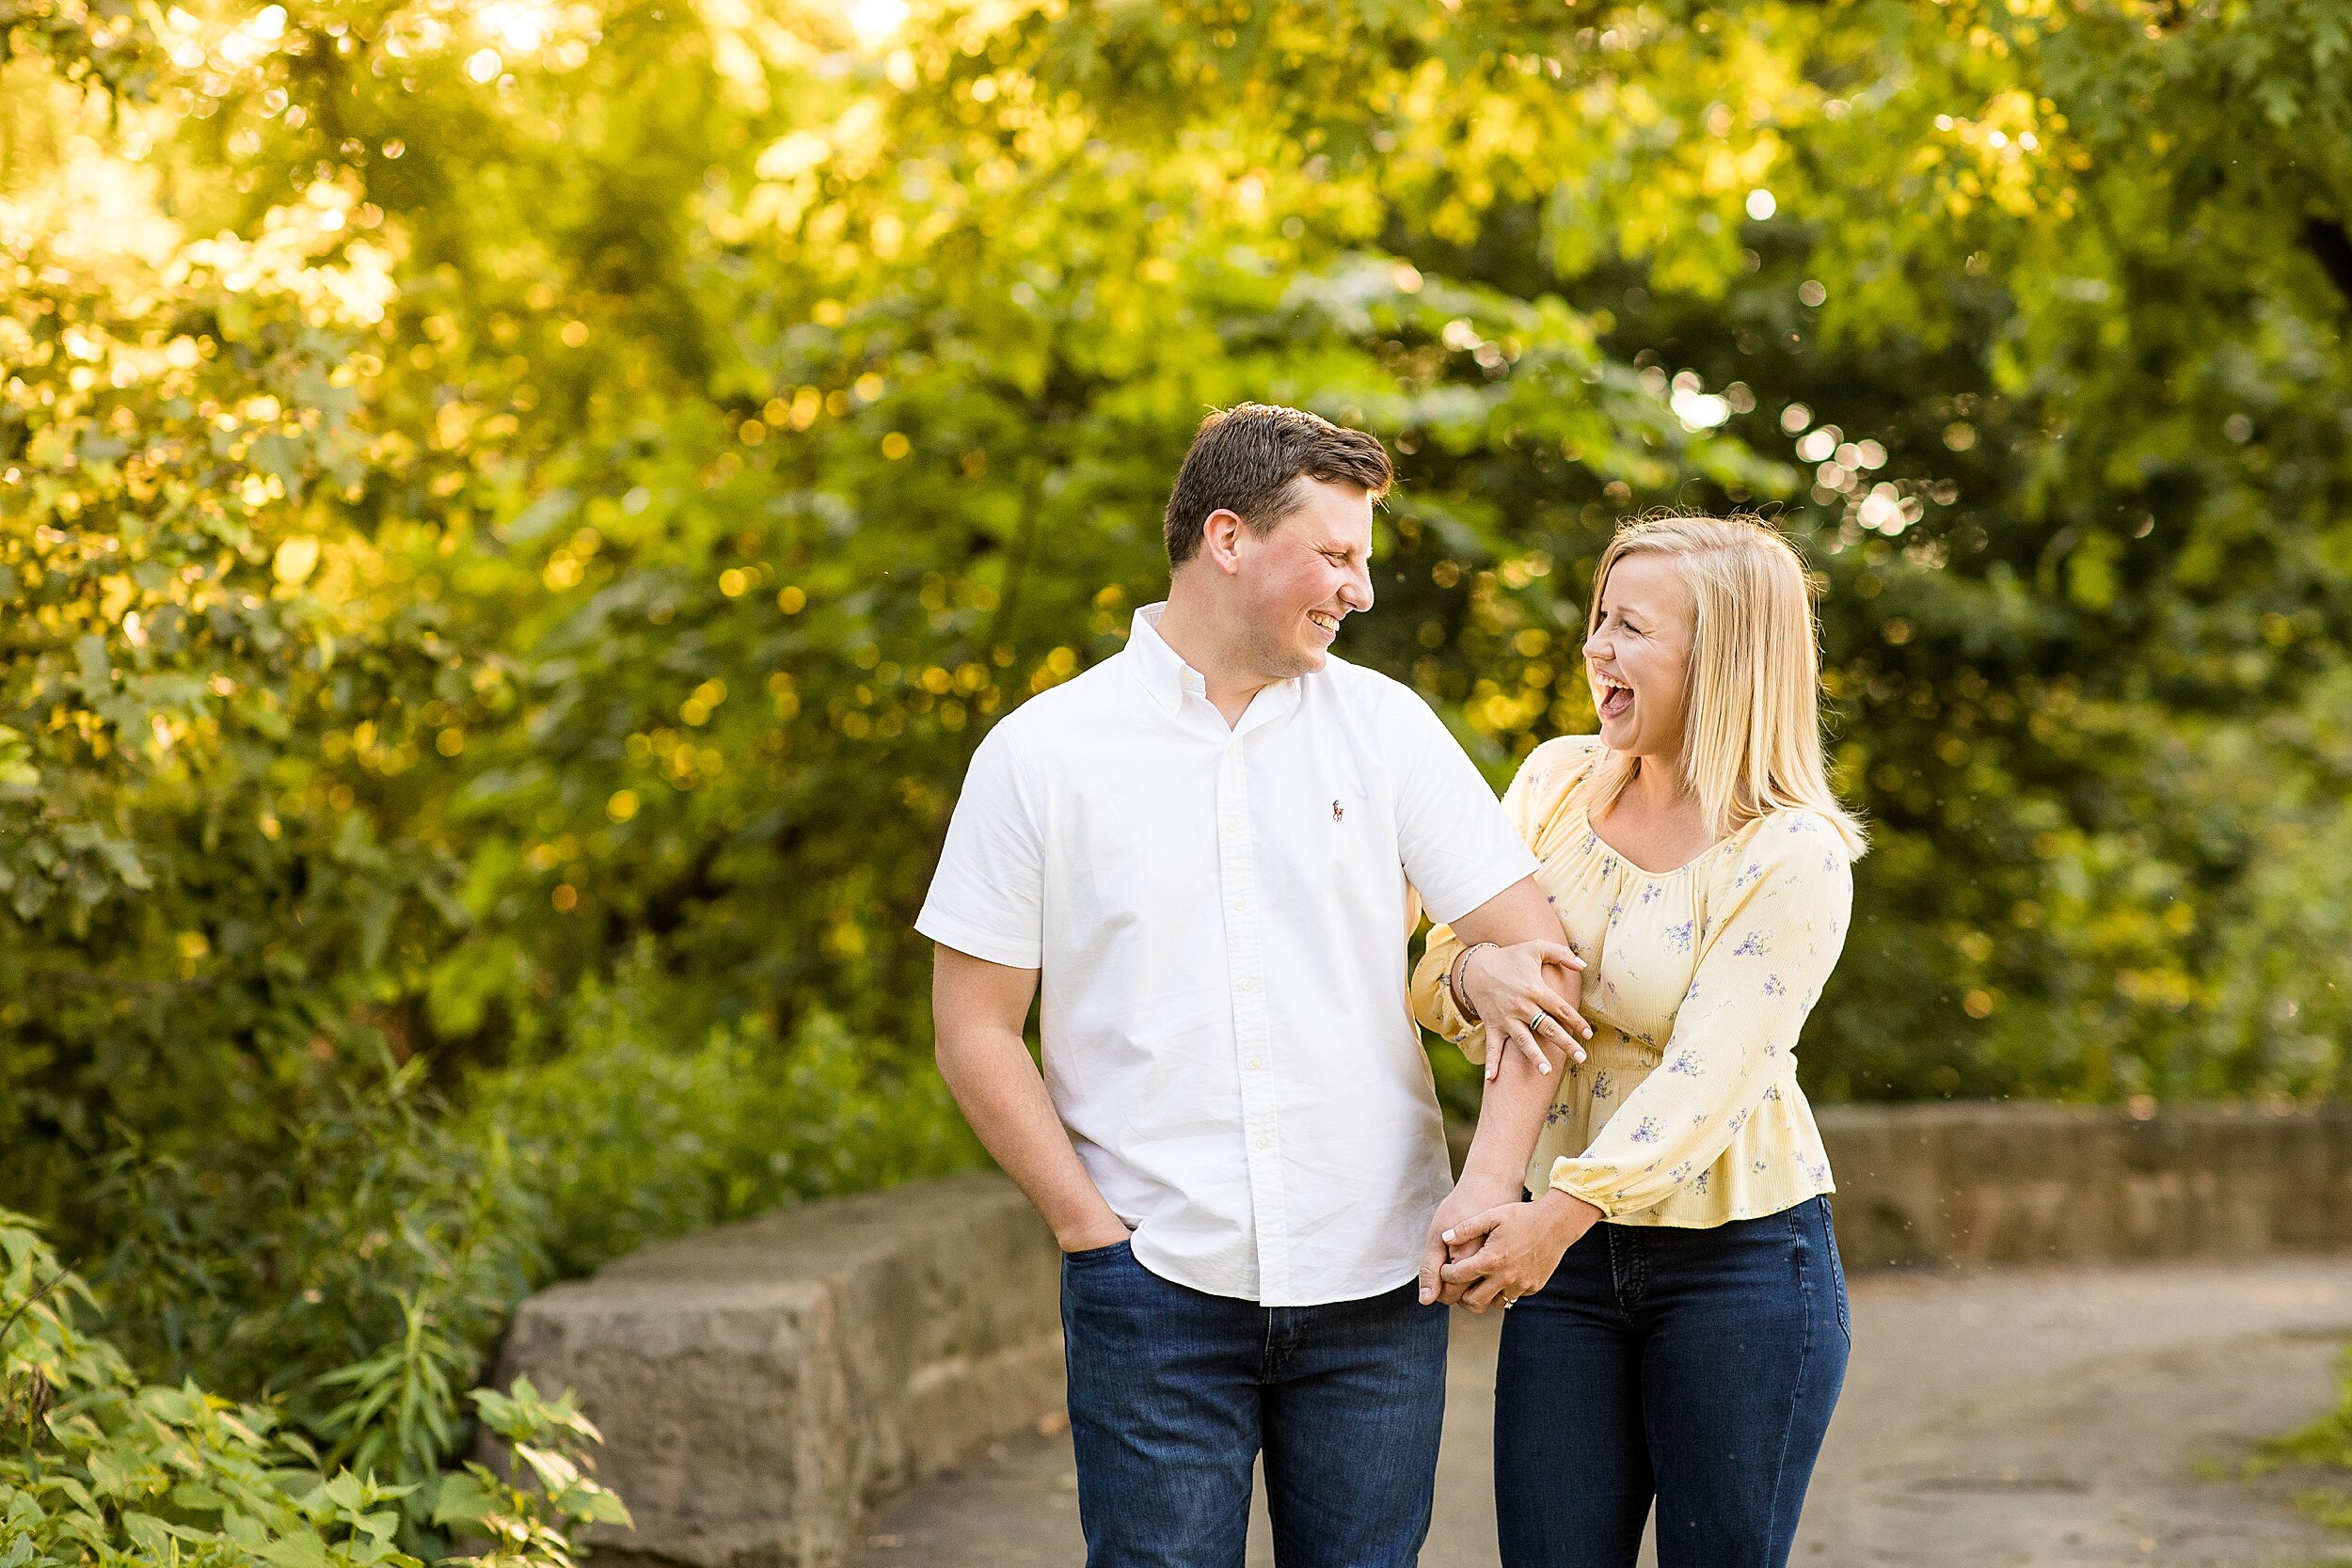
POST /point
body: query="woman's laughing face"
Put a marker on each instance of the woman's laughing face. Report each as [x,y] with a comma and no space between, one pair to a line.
[1638,657]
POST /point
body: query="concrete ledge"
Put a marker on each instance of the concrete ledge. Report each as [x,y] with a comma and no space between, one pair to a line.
[758,1386]
[2017,1184]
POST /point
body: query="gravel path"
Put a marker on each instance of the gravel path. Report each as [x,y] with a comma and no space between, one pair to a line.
[2061,1419]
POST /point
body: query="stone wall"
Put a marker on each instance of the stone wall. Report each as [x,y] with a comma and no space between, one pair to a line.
[760,1385]
[2021,1183]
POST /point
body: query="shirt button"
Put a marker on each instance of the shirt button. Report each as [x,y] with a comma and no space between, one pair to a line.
[1256,1063]
[1241,906]
[1263,1142]
[1248,984]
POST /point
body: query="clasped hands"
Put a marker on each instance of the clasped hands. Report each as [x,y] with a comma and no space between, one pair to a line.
[1486,1247]
[1507,1250]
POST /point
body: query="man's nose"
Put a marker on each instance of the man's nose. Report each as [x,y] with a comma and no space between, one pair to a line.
[1355,593]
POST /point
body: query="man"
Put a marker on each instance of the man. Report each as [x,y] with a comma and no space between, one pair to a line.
[1201,847]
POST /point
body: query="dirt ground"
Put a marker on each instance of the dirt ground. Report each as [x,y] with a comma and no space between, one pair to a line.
[2021,1419]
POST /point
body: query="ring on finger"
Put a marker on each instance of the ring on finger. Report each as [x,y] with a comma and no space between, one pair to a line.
[1509,1302]
[1536,1025]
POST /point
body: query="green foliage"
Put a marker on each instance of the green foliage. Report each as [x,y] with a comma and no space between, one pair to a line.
[357,1271]
[631,1142]
[2324,1445]
[97,1469]
[545,1439]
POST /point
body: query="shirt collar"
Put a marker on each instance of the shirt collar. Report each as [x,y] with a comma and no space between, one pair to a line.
[1164,672]
[1169,679]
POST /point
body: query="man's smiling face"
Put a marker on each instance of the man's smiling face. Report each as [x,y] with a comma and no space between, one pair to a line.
[1311,572]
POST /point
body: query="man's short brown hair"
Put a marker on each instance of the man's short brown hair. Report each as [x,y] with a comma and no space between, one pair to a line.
[1250,459]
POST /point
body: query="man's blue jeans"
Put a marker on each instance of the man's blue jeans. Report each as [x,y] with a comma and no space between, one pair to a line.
[1696,1366]
[1173,1393]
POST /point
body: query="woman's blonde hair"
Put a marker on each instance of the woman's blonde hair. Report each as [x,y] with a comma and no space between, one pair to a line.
[1752,738]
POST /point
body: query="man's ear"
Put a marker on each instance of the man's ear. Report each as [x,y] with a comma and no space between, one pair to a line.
[1220,540]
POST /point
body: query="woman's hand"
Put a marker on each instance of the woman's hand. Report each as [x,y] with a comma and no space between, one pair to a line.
[1526,994]
[1520,1244]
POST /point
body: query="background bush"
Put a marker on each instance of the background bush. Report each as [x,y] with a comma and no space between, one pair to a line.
[355,1272]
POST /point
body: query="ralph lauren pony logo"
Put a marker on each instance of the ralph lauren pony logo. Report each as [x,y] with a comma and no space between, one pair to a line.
[1338,811]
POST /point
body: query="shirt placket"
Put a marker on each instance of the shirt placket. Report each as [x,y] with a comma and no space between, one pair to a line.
[1253,1036]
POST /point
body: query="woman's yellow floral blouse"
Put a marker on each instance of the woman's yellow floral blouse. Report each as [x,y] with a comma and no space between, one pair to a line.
[1687,1111]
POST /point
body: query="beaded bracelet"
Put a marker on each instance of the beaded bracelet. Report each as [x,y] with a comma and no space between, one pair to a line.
[1453,981]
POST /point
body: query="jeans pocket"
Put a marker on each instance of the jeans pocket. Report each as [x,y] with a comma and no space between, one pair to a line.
[1099,1254]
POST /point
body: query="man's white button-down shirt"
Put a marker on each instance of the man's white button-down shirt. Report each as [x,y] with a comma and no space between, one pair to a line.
[1219,916]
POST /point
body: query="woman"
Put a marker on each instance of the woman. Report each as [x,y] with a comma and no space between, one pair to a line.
[1692,1349]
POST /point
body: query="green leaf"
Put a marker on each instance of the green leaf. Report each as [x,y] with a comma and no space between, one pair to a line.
[149,1533]
[555,1472]
[466,1498]
[116,1476]
[600,1505]
[294,1551]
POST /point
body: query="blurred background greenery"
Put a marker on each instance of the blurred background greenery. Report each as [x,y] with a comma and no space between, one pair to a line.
[512,517]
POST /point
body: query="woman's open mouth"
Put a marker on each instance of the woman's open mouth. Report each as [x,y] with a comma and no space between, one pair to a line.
[1611,697]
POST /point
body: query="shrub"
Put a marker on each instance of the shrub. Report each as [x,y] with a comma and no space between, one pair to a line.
[102,1469]
[354,1272]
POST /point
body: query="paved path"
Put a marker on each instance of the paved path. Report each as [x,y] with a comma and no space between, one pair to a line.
[2019,1419]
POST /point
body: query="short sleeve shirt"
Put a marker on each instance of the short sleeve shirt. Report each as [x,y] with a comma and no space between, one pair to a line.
[1219,916]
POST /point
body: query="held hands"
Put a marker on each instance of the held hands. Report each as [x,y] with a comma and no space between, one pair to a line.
[1469,1199]
[1527,994]
[1517,1246]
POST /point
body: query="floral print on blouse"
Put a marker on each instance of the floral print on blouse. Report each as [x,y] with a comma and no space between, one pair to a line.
[1696,981]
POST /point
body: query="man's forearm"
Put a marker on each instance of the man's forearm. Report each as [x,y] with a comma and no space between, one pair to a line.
[990,1072]
[1512,1113]
[1510,1117]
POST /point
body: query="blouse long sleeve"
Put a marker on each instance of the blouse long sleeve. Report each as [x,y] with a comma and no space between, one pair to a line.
[1433,998]
[1772,937]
